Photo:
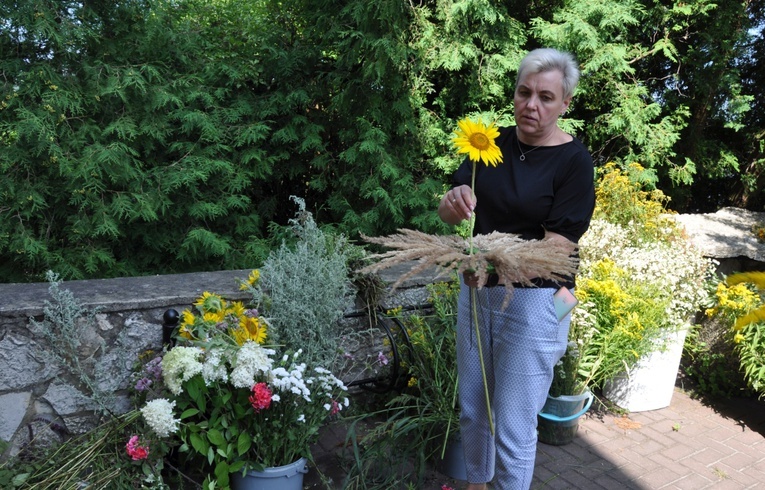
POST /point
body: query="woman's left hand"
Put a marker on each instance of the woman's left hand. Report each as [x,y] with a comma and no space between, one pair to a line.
[457,205]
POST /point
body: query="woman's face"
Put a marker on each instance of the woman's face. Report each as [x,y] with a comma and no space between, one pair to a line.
[538,103]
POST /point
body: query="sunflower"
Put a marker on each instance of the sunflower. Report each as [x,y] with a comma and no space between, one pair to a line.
[236,308]
[186,329]
[211,303]
[477,140]
[250,328]
[253,279]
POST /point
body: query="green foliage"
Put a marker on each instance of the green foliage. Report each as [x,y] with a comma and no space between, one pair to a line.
[126,155]
[305,284]
[710,357]
[751,352]
[65,327]
[154,137]
[414,426]
[622,200]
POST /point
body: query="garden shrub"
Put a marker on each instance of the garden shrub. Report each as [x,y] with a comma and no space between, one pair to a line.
[710,357]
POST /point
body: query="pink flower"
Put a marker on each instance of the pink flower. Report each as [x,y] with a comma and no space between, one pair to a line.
[261,397]
[446,487]
[135,451]
[335,408]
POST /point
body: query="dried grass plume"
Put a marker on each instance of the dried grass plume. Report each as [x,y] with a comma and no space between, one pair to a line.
[512,258]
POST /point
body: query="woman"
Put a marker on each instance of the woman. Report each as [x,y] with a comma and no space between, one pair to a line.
[544,189]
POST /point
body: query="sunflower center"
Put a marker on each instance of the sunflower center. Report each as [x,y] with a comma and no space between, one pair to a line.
[480,141]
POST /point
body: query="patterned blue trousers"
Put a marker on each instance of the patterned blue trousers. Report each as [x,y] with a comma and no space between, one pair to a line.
[521,344]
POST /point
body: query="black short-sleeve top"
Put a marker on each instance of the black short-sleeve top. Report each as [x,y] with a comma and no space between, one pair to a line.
[552,189]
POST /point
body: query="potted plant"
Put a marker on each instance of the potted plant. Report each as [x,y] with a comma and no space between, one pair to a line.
[569,397]
[236,405]
[639,283]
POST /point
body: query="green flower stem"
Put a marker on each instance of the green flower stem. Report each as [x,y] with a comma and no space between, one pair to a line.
[474,301]
[472,215]
[449,423]
[480,358]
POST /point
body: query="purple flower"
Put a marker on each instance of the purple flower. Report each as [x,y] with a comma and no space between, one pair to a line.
[143,384]
[154,367]
[382,359]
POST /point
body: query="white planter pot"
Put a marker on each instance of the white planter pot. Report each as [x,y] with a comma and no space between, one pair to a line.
[650,383]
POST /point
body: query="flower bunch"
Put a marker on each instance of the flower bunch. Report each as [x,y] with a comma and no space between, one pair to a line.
[630,293]
[215,313]
[231,401]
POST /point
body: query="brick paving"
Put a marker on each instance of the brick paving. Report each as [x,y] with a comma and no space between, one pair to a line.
[690,445]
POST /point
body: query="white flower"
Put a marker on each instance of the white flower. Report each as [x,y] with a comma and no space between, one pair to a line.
[214,368]
[180,364]
[251,361]
[159,415]
[301,418]
[291,382]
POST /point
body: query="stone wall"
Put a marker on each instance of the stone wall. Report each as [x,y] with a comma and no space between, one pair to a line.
[41,400]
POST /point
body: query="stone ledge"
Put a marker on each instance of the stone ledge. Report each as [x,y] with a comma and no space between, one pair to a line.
[123,293]
[725,234]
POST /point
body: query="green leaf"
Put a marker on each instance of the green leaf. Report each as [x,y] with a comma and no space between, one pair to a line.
[243,443]
[236,467]
[216,437]
[199,443]
[221,473]
[189,412]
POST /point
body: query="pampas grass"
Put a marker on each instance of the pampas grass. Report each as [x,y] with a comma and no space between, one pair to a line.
[512,258]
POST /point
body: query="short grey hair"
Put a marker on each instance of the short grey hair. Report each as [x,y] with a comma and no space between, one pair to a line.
[548,59]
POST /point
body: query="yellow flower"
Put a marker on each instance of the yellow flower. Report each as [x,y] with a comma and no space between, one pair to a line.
[756,278]
[210,303]
[212,318]
[187,324]
[477,140]
[758,314]
[738,338]
[237,309]
[753,316]
[412,382]
[250,328]
[251,280]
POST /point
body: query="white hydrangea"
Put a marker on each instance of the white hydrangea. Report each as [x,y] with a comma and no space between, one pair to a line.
[180,364]
[158,414]
[214,367]
[251,361]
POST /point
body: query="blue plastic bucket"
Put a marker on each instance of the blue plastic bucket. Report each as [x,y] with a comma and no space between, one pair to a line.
[287,477]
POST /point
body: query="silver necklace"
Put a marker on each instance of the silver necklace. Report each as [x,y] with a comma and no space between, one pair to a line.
[523,154]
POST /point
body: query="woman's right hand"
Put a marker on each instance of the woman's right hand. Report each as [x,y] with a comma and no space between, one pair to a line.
[456,205]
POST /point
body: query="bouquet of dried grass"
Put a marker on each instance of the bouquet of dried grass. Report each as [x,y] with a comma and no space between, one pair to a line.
[513,259]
